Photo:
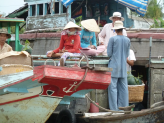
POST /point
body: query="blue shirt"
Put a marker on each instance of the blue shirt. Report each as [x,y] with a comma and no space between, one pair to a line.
[118,51]
[87,37]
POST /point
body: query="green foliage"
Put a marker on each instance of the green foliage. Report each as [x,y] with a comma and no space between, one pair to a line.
[78,20]
[161,22]
[158,24]
[26,46]
[13,30]
[154,10]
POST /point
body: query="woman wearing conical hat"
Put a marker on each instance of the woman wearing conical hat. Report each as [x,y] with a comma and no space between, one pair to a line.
[4,47]
[88,37]
[69,43]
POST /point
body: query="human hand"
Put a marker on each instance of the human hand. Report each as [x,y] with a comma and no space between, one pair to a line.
[92,47]
[101,43]
[49,54]
[60,51]
[63,50]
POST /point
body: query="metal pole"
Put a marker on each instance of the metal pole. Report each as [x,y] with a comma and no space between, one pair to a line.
[9,31]
[16,36]
[149,74]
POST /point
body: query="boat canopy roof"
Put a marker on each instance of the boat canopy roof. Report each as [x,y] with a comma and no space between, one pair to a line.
[12,21]
[139,6]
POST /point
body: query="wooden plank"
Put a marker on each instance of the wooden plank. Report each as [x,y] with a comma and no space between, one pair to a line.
[157,85]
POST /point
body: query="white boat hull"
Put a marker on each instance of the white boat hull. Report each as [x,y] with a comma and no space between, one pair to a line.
[33,110]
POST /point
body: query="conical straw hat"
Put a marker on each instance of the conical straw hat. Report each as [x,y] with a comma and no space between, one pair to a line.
[72,25]
[90,25]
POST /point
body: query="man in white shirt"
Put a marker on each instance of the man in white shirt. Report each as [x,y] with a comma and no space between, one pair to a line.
[130,60]
[107,31]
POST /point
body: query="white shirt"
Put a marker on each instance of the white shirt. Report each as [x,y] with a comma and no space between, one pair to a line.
[106,34]
[130,57]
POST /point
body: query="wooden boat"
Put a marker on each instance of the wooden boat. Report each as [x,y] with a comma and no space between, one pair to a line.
[32,96]
[155,114]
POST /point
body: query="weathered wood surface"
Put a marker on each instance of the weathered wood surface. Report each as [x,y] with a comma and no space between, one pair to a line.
[141,47]
[33,110]
[155,115]
[48,21]
[157,85]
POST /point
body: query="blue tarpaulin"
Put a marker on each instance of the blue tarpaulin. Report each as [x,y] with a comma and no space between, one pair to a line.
[66,3]
[139,6]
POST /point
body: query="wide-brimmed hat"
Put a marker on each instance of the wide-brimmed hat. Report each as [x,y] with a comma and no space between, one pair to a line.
[116,14]
[90,25]
[118,25]
[72,25]
[4,31]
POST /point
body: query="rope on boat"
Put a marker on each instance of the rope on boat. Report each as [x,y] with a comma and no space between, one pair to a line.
[86,70]
[107,110]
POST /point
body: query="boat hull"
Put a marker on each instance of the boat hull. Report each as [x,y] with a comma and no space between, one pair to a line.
[154,115]
[68,78]
[33,110]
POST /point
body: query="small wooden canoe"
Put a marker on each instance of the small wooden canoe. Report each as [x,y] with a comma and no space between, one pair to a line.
[151,115]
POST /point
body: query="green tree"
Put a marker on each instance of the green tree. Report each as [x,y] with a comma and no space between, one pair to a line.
[157,24]
[20,31]
[154,10]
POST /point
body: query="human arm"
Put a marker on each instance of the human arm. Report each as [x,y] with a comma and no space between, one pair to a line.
[131,59]
[110,47]
[94,40]
[82,43]
[130,62]
[124,32]
[102,35]
[60,46]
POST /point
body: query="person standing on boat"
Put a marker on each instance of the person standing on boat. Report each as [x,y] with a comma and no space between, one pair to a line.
[4,47]
[88,36]
[107,31]
[69,43]
[118,51]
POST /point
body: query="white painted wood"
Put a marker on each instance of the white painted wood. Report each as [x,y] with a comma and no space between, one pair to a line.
[100,114]
[11,78]
[35,110]
[16,96]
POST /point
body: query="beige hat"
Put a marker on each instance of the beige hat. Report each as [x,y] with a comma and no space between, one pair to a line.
[72,25]
[90,25]
[116,14]
[4,31]
[118,25]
